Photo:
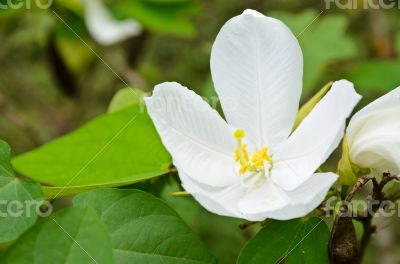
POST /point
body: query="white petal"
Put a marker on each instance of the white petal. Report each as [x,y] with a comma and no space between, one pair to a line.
[104,28]
[195,135]
[373,134]
[221,201]
[294,204]
[262,199]
[314,140]
[257,65]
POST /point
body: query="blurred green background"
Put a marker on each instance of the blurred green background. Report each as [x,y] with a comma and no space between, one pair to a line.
[55,77]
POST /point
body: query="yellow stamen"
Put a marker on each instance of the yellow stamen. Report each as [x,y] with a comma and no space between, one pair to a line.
[242,156]
[261,155]
[244,168]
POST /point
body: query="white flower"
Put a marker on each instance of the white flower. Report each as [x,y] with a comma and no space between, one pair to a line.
[373,135]
[104,28]
[256,64]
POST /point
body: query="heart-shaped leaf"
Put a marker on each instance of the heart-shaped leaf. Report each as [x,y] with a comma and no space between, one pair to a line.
[19,200]
[144,229]
[73,235]
[114,149]
[295,241]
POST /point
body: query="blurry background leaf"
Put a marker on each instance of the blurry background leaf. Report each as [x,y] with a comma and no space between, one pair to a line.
[172,17]
[73,5]
[76,56]
[144,229]
[296,241]
[73,235]
[112,150]
[20,200]
[126,97]
[71,25]
[323,41]
[397,43]
[376,75]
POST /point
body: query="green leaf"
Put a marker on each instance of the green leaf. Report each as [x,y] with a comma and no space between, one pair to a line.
[5,165]
[170,17]
[71,236]
[19,200]
[124,98]
[322,39]
[376,75]
[114,149]
[296,241]
[144,229]
[73,5]
[306,109]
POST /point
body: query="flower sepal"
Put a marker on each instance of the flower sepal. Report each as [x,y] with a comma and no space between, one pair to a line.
[306,109]
[348,171]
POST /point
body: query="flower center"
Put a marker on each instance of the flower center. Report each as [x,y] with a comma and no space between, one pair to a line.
[258,162]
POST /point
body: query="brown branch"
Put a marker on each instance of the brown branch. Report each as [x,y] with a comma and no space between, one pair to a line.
[343,230]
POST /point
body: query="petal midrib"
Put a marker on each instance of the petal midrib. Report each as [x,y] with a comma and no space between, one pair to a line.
[259,91]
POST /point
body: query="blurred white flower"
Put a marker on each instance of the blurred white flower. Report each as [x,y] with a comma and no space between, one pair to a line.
[252,166]
[373,135]
[105,29]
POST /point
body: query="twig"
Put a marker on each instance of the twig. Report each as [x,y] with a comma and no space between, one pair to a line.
[173,170]
[377,195]
[246,224]
[359,184]
[250,223]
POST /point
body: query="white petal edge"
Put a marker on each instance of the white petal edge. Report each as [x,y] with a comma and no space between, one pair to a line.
[296,160]
[389,100]
[195,135]
[374,140]
[257,68]
[104,28]
[300,201]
